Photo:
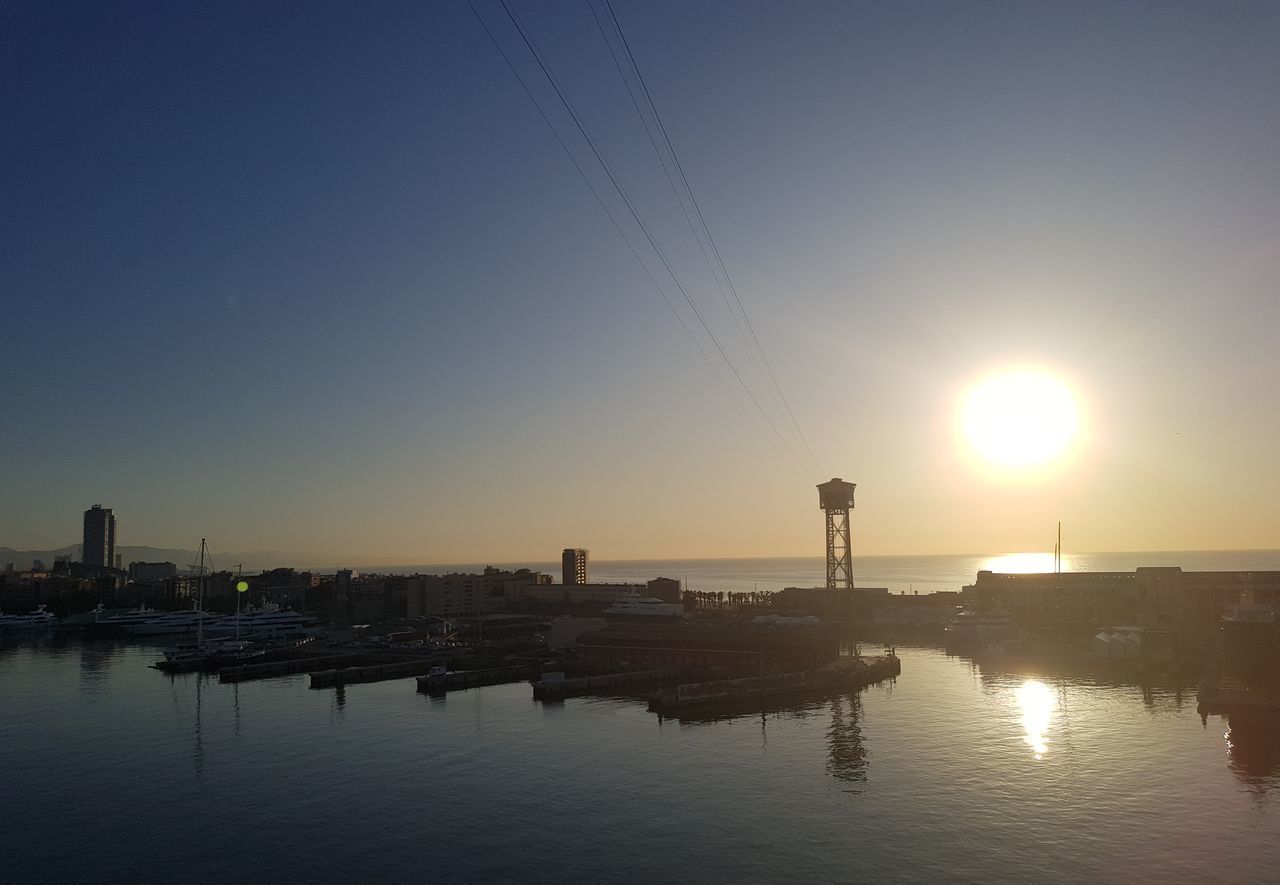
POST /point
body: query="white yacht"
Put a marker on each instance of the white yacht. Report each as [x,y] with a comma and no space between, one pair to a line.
[36,620]
[223,649]
[105,620]
[962,629]
[639,606]
[173,623]
[995,626]
[264,623]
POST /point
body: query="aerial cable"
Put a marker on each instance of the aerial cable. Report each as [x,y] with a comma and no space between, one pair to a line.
[544,65]
[680,199]
[625,239]
[707,230]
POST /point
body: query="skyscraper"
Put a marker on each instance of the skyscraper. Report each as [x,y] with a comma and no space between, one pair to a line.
[573,563]
[99,537]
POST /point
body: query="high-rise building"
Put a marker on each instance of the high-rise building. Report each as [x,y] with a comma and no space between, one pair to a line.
[99,537]
[573,563]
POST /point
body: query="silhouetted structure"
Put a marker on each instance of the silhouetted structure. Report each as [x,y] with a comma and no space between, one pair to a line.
[735,649]
[1148,596]
[573,564]
[835,497]
[99,537]
[152,572]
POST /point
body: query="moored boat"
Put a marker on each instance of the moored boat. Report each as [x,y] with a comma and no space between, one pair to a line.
[36,620]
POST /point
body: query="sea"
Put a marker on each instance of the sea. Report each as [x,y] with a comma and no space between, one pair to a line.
[955,771]
[901,574]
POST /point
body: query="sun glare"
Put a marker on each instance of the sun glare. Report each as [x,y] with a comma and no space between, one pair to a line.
[1020,419]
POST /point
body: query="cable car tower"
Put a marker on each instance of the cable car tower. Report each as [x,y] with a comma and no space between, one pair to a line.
[836,500]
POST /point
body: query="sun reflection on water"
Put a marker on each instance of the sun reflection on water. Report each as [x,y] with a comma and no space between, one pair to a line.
[1023,563]
[1036,701]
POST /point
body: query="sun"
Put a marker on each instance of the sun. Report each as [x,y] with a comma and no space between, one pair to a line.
[1021,419]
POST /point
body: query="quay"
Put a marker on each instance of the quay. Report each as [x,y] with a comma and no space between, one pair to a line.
[462,679]
[558,689]
[1229,695]
[289,666]
[845,674]
[396,669]
[215,663]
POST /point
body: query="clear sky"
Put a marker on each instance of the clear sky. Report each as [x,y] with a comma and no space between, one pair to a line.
[317,277]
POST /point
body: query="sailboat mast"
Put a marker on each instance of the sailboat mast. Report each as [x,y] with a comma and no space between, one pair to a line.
[200,599]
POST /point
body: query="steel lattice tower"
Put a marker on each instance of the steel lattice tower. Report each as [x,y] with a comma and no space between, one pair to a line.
[836,500]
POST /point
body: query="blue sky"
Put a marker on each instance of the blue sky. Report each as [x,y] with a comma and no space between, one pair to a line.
[316,277]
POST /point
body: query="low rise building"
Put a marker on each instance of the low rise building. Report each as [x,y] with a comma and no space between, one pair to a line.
[1165,596]
[838,603]
[152,572]
[736,649]
[460,593]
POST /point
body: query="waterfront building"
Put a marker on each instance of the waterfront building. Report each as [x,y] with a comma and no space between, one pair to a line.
[666,589]
[839,603]
[575,594]
[1163,596]
[99,537]
[458,594]
[563,633]
[152,572]
[735,649]
[573,565]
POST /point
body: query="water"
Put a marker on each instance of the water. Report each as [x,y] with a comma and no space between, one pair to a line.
[901,574]
[953,773]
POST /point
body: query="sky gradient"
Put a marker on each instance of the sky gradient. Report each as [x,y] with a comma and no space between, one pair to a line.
[317,277]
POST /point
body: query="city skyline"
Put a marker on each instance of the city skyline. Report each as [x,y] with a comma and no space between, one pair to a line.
[350,297]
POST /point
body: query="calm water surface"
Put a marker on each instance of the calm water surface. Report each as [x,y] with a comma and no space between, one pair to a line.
[901,574]
[113,772]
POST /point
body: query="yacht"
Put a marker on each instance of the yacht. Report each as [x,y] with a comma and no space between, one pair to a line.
[639,606]
[962,629]
[108,621]
[995,626]
[36,620]
[173,623]
[223,649]
[264,623]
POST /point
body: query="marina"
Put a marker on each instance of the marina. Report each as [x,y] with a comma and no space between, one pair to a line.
[965,752]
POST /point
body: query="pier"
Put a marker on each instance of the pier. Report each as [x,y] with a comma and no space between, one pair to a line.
[289,666]
[608,682]
[463,679]
[372,672]
[1232,695]
[846,674]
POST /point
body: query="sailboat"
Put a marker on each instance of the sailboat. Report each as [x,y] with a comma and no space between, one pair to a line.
[202,649]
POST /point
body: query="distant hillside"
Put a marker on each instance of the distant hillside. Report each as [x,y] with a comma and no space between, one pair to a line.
[266,559]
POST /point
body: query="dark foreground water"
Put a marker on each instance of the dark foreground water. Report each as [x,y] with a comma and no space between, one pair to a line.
[110,771]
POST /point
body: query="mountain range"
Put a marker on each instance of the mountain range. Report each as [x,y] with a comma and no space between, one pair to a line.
[255,561]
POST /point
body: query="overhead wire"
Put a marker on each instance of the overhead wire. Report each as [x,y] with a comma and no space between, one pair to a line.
[675,189]
[707,230]
[545,67]
[622,234]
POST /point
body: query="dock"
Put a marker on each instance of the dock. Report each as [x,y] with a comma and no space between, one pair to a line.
[215,663]
[289,666]
[847,674]
[605,683]
[1230,695]
[398,669]
[463,679]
